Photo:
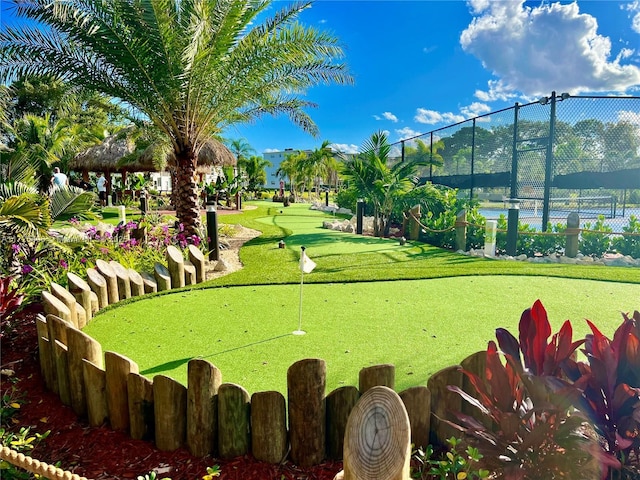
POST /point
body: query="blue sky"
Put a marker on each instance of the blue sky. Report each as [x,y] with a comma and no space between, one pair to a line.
[420,65]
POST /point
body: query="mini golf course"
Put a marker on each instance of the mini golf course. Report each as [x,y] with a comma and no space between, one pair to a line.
[418,325]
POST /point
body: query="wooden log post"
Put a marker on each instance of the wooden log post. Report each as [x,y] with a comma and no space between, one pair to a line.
[377,443]
[81,291]
[189,273]
[98,285]
[162,276]
[234,435]
[95,388]
[82,316]
[175,264]
[54,306]
[197,259]
[95,303]
[170,413]
[68,299]
[442,401]
[377,375]
[269,426]
[340,402]
[109,275]
[149,282]
[461,230]
[62,371]
[57,332]
[306,382]
[141,416]
[137,284]
[117,369]
[573,235]
[81,346]
[122,278]
[417,401]
[47,367]
[414,225]
[203,382]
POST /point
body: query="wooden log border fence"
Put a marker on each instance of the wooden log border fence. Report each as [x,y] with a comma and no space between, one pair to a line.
[209,417]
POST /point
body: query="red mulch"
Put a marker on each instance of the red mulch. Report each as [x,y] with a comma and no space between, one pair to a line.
[101,453]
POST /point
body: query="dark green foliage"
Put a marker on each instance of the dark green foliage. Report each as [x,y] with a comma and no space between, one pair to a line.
[629,244]
[598,241]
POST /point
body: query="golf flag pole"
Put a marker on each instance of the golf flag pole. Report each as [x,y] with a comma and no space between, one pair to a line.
[306,266]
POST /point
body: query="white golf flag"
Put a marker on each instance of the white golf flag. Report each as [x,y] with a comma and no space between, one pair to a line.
[306,264]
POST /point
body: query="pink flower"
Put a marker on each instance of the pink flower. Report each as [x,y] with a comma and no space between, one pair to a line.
[104,250]
[27,269]
[64,264]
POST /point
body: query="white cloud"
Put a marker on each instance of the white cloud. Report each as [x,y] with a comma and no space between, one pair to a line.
[271,150]
[431,117]
[475,109]
[629,116]
[535,50]
[387,116]
[345,148]
[390,116]
[497,91]
[634,8]
[406,132]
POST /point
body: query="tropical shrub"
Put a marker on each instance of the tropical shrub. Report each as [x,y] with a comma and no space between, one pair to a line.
[540,404]
[452,465]
[597,241]
[10,300]
[610,386]
[629,244]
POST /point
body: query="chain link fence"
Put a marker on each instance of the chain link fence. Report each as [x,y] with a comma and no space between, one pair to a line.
[559,155]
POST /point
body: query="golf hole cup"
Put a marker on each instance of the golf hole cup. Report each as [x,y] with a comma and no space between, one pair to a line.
[490,238]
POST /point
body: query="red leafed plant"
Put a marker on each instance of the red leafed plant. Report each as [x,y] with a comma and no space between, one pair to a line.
[528,428]
[10,299]
[610,385]
[540,356]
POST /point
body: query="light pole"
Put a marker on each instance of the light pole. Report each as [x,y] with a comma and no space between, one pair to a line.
[212,232]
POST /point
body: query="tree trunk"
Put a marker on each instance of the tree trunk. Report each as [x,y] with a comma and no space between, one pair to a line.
[186,193]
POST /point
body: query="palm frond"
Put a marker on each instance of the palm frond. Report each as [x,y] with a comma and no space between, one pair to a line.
[71,202]
[25,214]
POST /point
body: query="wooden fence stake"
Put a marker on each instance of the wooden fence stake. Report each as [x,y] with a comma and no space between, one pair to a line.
[204,380]
[95,387]
[233,421]
[340,402]
[417,401]
[117,369]
[170,413]
[269,426]
[306,382]
[377,375]
[141,408]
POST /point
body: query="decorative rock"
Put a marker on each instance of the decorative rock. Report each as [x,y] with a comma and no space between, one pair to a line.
[221,266]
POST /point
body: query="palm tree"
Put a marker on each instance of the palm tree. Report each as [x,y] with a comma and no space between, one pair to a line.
[240,148]
[319,163]
[253,169]
[371,174]
[290,168]
[192,68]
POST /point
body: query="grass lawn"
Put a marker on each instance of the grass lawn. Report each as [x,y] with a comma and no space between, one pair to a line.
[447,308]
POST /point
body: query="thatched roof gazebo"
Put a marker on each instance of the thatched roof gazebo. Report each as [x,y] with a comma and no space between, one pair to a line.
[119,153]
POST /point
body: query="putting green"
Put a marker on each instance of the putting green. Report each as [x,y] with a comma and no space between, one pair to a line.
[419,326]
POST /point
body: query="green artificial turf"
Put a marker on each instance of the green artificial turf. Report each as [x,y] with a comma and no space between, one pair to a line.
[420,326]
[352,316]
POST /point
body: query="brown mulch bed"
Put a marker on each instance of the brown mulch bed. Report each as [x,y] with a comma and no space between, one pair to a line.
[99,452]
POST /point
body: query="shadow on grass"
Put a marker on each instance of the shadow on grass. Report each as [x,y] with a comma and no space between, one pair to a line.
[163,367]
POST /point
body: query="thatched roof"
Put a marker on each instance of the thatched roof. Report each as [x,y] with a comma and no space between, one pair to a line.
[110,155]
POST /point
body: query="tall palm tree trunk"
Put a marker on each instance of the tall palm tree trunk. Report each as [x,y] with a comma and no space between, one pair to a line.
[186,195]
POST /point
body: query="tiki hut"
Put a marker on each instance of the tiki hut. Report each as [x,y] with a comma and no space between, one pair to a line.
[122,153]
